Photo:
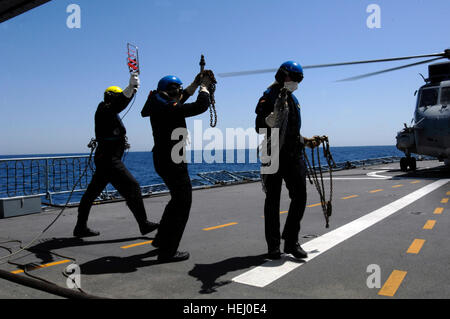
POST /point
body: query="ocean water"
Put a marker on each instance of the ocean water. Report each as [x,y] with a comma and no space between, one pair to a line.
[140,164]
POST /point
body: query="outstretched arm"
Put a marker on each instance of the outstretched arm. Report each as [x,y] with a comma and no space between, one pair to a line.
[124,99]
[157,106]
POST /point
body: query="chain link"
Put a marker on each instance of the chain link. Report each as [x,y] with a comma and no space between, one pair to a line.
[212,90]
[326,204]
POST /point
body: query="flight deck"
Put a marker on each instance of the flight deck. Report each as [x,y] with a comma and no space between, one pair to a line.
[388,238]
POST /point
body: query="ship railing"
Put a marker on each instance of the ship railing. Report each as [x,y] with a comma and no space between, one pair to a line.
[43,176]
[50,176]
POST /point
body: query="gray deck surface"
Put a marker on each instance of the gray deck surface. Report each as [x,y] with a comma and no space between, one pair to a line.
[219,255]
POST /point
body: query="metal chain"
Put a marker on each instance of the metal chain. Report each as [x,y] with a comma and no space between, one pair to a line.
[326,205]
[212,90]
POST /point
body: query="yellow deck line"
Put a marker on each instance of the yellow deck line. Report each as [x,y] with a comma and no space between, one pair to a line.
[444,201]
[438,211]
[312,205]
[429,224]
[391,285]
[137,244]
[43,266]
[448,193]
[396,186]
[376,191]
[416,246]
[220,226]
[415,182]
[351,196]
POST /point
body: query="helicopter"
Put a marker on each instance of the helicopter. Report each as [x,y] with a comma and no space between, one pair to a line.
[430,133]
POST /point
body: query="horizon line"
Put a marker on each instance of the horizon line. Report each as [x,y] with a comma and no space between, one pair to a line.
[195,150]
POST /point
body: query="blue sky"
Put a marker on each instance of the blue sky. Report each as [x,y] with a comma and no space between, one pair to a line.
[53,77]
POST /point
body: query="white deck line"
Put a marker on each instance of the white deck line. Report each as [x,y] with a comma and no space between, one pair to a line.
[270,271]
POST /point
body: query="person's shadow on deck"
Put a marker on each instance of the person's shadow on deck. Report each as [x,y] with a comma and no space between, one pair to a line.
[115,264]
[209,274]
[44,249]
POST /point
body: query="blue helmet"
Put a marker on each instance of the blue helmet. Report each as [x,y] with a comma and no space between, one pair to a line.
[168,82]
[291,68]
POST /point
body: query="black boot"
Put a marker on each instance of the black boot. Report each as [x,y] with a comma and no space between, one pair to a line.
[81,231]
[148,227]
[155,242]
[274,254]
[296,250]
[178,256]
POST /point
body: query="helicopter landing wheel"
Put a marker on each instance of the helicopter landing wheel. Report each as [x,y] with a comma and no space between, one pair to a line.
[403,164]
[408,163]
[412,163]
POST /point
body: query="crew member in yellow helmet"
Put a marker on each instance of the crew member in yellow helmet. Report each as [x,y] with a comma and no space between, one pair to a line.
[110,134]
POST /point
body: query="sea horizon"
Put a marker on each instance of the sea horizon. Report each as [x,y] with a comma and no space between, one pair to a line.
[9,156]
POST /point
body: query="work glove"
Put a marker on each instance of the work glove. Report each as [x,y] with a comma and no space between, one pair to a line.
[132,86]
[312,142]
[279,108]
[207,78]
[208,81]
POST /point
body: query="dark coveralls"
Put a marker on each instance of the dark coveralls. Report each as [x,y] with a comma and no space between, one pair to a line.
[165,116]
[110,135]
[291,168]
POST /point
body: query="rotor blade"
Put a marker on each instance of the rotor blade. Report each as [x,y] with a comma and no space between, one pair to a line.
[229,74]
[239,73]
[442,54]
[387,70]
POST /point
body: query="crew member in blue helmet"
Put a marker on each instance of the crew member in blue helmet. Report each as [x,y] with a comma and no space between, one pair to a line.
[167,110]
[110,136]
[279,108]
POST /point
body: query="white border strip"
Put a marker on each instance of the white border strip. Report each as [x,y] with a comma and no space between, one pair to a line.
[270,271]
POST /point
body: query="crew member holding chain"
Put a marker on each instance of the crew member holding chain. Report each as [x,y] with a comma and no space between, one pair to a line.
[167,110]
[279,108]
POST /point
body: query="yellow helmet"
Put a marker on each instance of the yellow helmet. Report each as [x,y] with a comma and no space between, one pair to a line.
[114,89]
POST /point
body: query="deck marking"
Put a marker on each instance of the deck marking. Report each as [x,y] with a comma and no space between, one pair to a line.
[220,226]
[370,176]
[376,191]
[286,211]
[137,244]
[43,266]
[415,182]
[448,193]
[393,283]
[312,205]
[270,271]
[416,246]
[429,224]
[396,186]
[438,211]
[444,201]
[375,174]
[351,196]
